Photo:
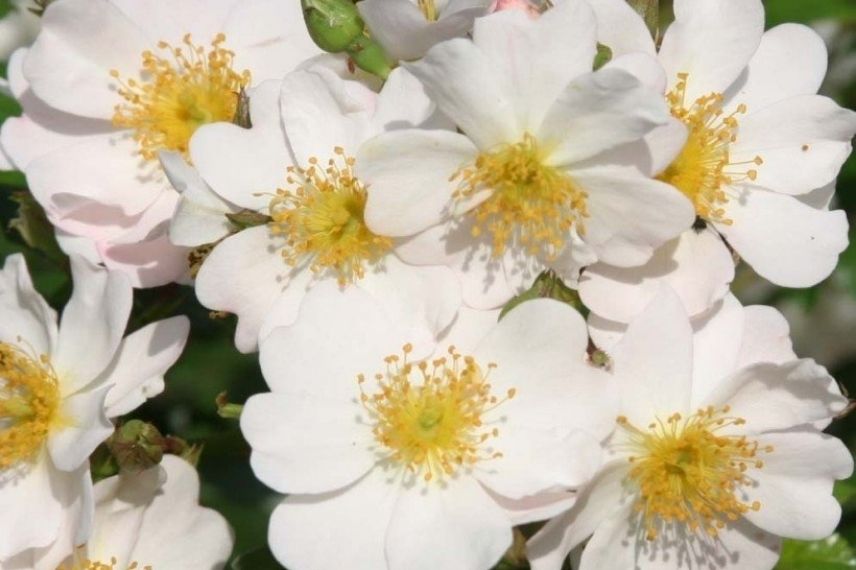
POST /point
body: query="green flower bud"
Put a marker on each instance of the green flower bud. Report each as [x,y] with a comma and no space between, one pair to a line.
[333,24]
[369,56]
[137,446]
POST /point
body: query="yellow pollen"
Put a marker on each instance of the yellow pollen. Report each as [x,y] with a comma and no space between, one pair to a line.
[178,94]
[82,563]
[532,204]
[429,10]
[321,218]
[703,170]
[29,405]
[430,415]
[685,472]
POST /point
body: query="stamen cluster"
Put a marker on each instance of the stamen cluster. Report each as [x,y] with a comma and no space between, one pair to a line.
[433,425]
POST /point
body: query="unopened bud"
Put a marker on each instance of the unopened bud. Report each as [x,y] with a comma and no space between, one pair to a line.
[370,56]
[137,446]
[333,24]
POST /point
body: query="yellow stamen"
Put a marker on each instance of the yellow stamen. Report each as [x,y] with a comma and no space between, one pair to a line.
[703,171]
[29,405]
[430,416]
[429,10]
[82,563]
[532,204]
[686,473]
[322,220]
[178,95]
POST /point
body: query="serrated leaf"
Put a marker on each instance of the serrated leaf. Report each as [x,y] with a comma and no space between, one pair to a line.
[261,559]
[833,553]
[547,285]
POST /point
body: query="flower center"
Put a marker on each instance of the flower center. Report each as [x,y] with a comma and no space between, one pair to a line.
[531,204]
[29,405]
[429,10]
[322,221]
[430,415]
[178,94]
[704,170]
[81,563]
[687,473]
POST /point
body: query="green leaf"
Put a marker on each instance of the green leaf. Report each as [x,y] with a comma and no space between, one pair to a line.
[833,553]
[547,285]
[6,6]
[781,11]
[261,559]
[602,57]
[650,12]
[33,226]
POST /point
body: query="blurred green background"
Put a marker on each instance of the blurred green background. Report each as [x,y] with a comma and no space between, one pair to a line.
[823,320]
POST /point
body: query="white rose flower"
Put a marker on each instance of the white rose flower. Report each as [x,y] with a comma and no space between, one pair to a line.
[394,459]
[59,388]
[758,152]
[295,169]
[407,29]
[718,450]
[108,84]
[152,519]
[525,187]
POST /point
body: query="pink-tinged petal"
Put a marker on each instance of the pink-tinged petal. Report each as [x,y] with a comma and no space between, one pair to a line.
[524,51]
[549,547]
[791,60]
[653,361]
[136,372]
[245,274]
[71,445]
[794,487]
[697,265]
[457,74]
[779,396]
[255,164]
[407,174]
[86,39]
[92,325]
[306,443]
[303,527]
[785,241]
[26,315]
[630,215]
[803,141]
[457,525]
[712,41]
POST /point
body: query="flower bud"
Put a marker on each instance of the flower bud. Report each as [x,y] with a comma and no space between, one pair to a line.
[333,24]
[137,446]
[369,56]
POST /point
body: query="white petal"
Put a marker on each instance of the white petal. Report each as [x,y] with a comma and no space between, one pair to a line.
[802,140]
[795,485]
[407,173]
[525,51]
[697,266]
[71,445]
[653,361]
[26,315]
[718,339]
[766,337]
[630,215]
[549,547]
[457,526]
[244,275]
[487,282]
[136,372]
[355,519]
[618,543]
[540,507]
[471,91]
[147,262]
[245,166]
[306,443]
[298,356]
[712,42]
[643,67]
[400,27]
[597,112]
[621,29]
[402,103]
[785,241]
[37,511]
[86,39]
[780,396]
[92,325]
[200,217]
[791,60]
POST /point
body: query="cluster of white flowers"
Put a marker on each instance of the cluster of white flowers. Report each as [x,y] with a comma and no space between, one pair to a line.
[367,222]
